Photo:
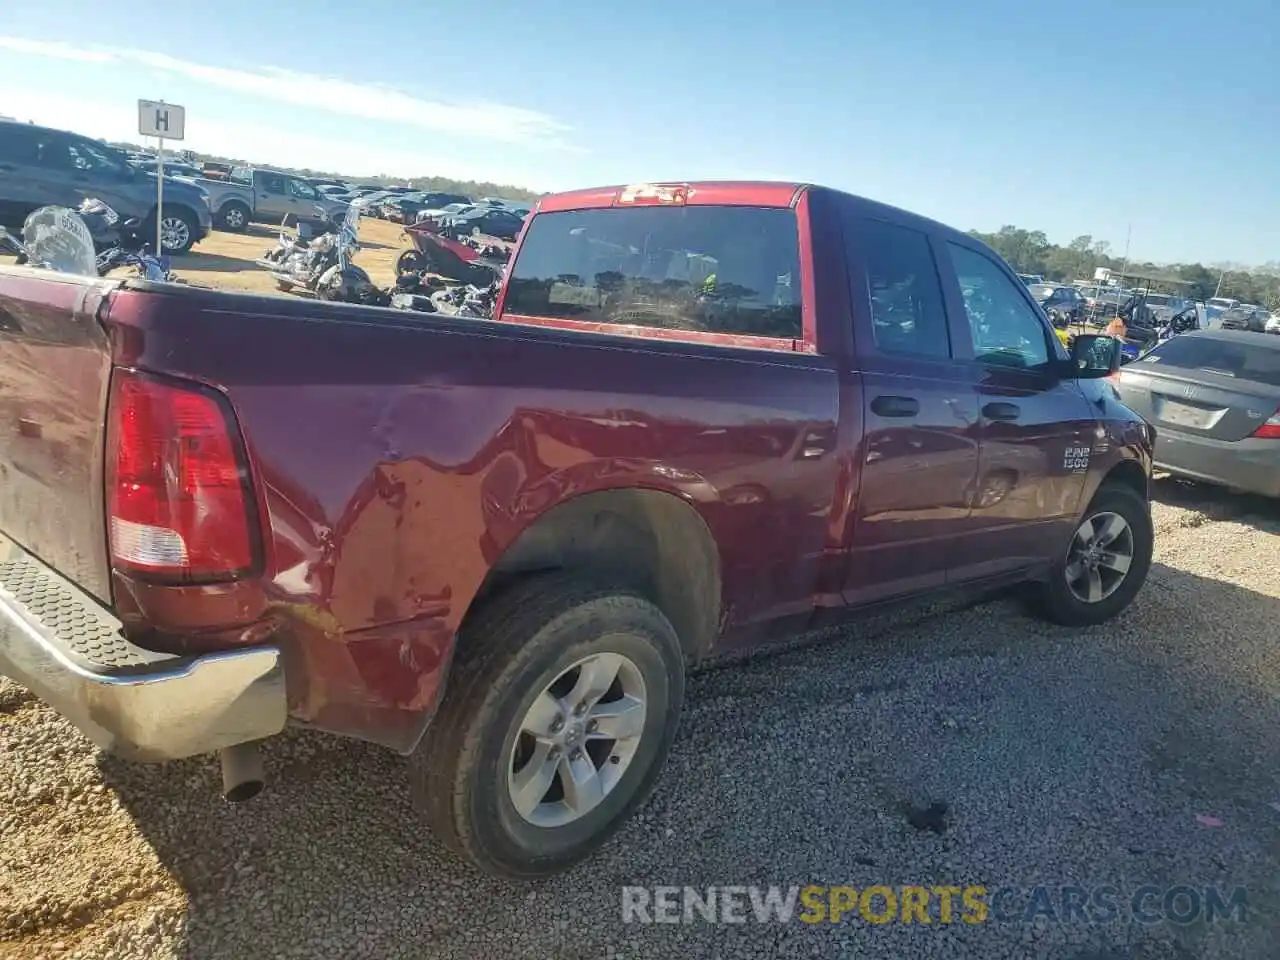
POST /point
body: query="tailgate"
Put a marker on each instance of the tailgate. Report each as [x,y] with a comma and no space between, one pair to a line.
[55,363]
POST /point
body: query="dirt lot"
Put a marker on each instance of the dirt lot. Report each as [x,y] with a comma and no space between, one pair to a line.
[226,260]
[1140,753]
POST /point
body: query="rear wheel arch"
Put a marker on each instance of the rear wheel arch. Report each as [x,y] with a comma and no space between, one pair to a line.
[649,540]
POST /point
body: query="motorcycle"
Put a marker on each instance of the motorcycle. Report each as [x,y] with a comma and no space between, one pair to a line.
[89,240]
[287,244]
[322,265]
[467,301]
[121,244]
[54,238]
[465,263]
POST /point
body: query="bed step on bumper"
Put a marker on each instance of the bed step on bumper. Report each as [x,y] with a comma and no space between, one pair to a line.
[71,652]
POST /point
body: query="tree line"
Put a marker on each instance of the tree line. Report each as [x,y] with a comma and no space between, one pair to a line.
[1030,251]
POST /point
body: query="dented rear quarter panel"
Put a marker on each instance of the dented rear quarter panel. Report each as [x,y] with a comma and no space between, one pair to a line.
[397,457]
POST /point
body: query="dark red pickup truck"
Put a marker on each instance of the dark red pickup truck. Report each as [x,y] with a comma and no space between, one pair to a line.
[704,416]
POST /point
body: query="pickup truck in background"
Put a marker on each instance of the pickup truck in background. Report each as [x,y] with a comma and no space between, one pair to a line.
[706,416]
[40,166]
[253,194]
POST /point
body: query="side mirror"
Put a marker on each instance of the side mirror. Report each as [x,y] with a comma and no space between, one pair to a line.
[1094,356]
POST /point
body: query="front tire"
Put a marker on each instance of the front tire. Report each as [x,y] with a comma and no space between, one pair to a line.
[560,712]
[177,230]
[1105,563]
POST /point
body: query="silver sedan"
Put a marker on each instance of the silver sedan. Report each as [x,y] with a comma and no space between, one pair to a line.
[1214,398]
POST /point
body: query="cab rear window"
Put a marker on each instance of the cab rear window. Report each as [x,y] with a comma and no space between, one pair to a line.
[710,269]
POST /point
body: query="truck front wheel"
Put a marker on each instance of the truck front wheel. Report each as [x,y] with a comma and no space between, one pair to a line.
[1106,562]
[177,230]
[560,711]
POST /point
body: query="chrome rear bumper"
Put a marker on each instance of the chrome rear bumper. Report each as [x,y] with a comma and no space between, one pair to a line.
[70,651]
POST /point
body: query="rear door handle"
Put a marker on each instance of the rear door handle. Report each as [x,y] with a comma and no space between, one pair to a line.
[895,406]
[1001,411]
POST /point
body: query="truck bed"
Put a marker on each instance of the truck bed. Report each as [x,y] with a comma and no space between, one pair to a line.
[396,458]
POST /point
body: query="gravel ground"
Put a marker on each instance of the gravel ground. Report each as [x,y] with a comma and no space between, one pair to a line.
[973,747]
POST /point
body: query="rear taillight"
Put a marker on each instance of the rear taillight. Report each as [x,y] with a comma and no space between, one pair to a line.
[1270,430]
[178,501]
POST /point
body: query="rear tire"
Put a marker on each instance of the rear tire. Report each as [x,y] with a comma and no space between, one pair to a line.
[1065,597]
[234,217]
[527,648]
[411,261]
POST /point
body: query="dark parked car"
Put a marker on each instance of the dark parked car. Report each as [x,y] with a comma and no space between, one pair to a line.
[1061,302]
[1214,397]
[437,200]
[40,166]
[1244,317]
[400,209]
[492,222]
[702,417]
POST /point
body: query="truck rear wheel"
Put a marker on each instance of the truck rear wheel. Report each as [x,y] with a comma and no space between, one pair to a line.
[1105,563]
[234,217]
[560,711]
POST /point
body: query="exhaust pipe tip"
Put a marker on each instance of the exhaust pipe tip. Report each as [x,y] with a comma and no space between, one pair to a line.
[242,773]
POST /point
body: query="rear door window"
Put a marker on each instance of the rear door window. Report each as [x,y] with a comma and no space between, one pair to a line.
[713,269]
[907,313]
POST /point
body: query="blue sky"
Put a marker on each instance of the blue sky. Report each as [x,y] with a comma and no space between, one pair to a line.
[1072,118]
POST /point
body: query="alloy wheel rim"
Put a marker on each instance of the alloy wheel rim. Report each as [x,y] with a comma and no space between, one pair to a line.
[576,740]
[1100,556]
[174,233]
[234,218]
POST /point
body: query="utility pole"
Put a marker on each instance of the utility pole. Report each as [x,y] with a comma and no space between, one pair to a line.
[1218,289]
[1128,234]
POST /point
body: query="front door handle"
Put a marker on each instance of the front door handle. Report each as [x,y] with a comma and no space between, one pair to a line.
[815,444]
[1001,411]
[895,406]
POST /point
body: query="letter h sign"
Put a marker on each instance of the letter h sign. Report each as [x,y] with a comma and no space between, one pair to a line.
[159,119]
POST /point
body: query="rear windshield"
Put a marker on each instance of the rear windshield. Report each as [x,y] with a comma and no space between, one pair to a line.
[715,269]
[1157,300]
[1258,362]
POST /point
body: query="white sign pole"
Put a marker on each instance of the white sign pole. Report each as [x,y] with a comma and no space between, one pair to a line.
[160,196]
[164,121]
